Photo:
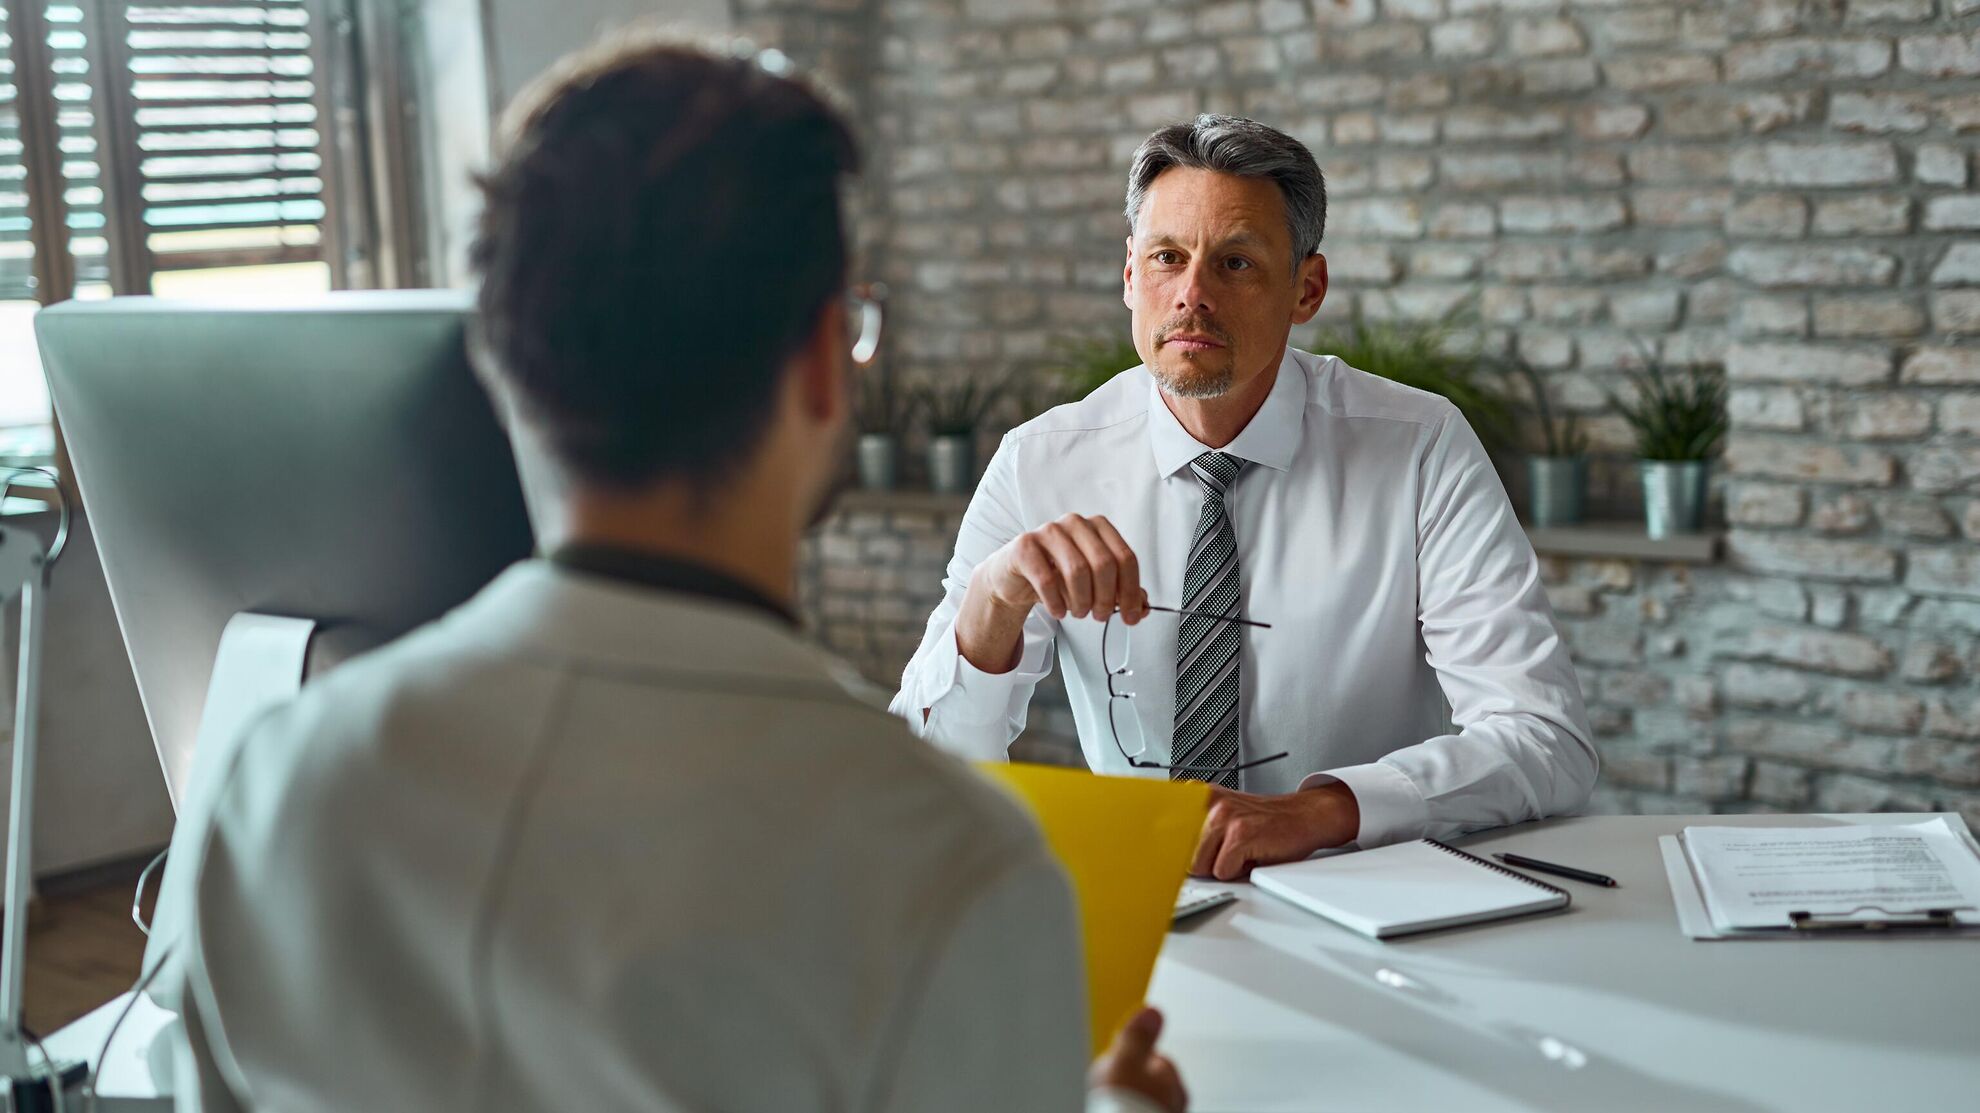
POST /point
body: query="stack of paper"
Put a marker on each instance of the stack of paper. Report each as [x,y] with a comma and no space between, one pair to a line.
[1755,877]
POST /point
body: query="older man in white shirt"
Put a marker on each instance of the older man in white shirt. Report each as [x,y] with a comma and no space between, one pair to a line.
[1356,526]
[612,836]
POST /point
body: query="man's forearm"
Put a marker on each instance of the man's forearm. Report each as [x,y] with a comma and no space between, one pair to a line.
[989,635]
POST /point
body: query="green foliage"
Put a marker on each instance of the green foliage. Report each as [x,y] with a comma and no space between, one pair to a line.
[1676,415]
[882,407]
[1427,355]
[1080,367]
[957,407]
[1559,437]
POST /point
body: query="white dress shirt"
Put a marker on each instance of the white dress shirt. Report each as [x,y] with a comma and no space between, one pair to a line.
[1373,536]
[588,845]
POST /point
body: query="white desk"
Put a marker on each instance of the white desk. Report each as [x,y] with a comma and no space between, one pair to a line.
[1604,1007]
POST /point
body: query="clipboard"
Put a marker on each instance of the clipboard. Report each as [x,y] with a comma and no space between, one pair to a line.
[1696,923]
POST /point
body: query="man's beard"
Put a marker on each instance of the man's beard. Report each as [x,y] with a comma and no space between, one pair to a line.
[1195,375]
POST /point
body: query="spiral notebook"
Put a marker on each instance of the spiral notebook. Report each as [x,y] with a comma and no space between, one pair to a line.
[1407,888]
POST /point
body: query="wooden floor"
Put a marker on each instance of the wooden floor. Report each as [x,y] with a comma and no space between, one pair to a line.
[82,947]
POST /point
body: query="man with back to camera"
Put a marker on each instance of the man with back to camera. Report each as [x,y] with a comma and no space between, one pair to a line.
[1245,482]
[611,836]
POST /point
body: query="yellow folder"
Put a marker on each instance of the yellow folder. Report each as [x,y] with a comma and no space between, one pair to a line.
[1126,843]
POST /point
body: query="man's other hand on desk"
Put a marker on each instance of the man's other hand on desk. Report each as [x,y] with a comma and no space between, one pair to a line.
[1244,829]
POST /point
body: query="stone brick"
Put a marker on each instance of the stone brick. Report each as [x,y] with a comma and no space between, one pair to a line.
[1768,216]
[1910,516]
[1772,316]
[1775,458]
[1888,11]
[1645,309]
[1843,513]
[1957,312]
[1688,165]
[1957,718]
[1680,208]
[1871,315]
[1367,264]
[1604,643]
[1889,417]
[1612,121]
[1959,266]
[1757,504]
[1561,214]
[1461,221]
[1957,213]
[1421,10]
[1468,124]
[1784,786]
[1773,408]
[1865,794]
[1339,90]
[1558,75]
[1960,112]
[1874,215]
[1386,219]
[1945,570]
[1720,778]
[1759,686]
[1937,164]
[1388,40]
[1816,266]
[1945,469]
[1812,558]
[1880,113]
[1642,72]
[1941,55]
[1463,38]
[1635,769]
[1960,414]
[1567,305]
[1820,58]
[1544,37]
[1816,164]
[1822,745]
[1773,362]
[1282,15]
[1943,367]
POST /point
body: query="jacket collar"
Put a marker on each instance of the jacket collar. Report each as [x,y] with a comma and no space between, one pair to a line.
[539,609]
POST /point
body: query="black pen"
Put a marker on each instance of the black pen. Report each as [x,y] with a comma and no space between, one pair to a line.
[1561,871]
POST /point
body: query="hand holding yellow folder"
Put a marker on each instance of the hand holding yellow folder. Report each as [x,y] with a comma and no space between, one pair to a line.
[1126,843]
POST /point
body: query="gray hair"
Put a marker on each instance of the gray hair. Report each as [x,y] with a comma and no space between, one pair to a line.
[1247,149]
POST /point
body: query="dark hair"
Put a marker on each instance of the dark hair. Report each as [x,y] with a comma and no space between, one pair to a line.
[661,231]
[1246,149]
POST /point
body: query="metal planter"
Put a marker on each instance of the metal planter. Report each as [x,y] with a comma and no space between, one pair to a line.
[879,461]
[951,464]
[1674,496]
[1557,487]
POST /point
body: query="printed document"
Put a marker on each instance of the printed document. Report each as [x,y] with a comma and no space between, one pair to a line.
[1752,877]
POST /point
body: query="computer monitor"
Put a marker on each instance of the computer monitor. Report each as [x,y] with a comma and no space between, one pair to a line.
[335,461]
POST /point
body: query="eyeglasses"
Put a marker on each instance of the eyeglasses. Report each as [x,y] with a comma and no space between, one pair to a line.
[1115,644]
[866,314]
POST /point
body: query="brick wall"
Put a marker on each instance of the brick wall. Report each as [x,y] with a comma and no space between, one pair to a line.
[1781,186]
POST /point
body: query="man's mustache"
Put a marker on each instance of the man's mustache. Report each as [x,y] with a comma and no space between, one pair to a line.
[1190,324]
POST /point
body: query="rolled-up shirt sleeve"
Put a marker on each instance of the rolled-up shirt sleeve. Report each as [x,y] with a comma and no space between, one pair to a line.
[952,703]
[1522,749]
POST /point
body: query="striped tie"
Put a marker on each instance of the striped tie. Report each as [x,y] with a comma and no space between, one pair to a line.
[1207,651]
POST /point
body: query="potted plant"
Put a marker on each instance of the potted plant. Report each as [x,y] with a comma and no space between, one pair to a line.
[1556,475]
[883,415]
[956,410]
[1679,418]
[1428,355]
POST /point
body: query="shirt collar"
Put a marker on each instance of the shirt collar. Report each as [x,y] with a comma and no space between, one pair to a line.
[1271,437]
[666,573]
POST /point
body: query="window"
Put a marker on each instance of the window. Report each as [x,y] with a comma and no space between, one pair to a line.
[163,148]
